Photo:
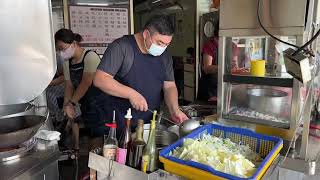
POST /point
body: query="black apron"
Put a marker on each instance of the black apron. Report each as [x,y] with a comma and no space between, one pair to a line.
[146,76]
[92,101]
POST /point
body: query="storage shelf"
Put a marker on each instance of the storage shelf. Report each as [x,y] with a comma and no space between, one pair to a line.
[283,125]
[269,81]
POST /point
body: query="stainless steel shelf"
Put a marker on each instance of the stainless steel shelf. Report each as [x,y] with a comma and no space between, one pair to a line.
[268,81]
[277,124]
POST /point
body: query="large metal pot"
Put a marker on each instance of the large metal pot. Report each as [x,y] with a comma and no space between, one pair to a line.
[163,136]
[16,130]
[158,126]
[163,139]
[267,100]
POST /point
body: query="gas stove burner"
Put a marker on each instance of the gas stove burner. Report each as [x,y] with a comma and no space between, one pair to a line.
[8,154]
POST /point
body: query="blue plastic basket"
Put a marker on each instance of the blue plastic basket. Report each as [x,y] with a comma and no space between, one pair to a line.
[267,146]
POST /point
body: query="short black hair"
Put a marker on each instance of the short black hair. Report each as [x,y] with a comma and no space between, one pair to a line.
[161,24]
[67,36]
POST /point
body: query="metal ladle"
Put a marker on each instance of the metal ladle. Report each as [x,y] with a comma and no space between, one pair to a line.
[185,127]
[188,126]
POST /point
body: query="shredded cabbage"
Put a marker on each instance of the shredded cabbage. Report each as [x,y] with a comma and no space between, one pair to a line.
[221,154]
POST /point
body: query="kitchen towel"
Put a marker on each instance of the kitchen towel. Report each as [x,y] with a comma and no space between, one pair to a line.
[48,135]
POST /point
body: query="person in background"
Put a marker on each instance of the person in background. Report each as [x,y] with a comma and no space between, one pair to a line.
[190,55]
[178,66]
[134,71]
[209,66]
[79,68]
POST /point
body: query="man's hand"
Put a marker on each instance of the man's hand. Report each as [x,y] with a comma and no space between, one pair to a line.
[107,84]
[69,111]
[178,116]
[138,101]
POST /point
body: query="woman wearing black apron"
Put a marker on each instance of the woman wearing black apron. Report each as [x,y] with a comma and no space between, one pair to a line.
[80,94]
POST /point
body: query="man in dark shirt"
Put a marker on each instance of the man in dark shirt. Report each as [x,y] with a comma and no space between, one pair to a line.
[134,71]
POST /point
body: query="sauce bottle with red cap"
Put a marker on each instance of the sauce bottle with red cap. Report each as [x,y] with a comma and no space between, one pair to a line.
[110,142]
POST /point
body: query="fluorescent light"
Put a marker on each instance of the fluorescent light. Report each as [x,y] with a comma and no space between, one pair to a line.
[153,2]
[94,4]
[102,4]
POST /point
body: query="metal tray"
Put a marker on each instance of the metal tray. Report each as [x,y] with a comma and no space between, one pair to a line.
[282,125]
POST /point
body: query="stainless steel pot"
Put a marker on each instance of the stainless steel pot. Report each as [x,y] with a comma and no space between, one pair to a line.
[163,139]
[174,129]
[163,136]
[158,126]
[266,100]
[16,130]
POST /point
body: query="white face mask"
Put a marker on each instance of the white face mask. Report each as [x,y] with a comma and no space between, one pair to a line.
[155,49]
[67,53]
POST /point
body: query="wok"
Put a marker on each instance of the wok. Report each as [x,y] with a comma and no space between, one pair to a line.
[16,130]
[6,110]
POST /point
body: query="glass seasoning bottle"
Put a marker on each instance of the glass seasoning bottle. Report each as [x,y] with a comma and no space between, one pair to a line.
[110,142]
[149,158]
[125,141]
[136,150]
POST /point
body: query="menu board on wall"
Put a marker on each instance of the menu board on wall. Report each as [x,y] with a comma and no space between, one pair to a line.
[98,26]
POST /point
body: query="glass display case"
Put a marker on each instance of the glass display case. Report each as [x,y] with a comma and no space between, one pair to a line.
[253,86]
[240,51]
[270,98]
[264,100]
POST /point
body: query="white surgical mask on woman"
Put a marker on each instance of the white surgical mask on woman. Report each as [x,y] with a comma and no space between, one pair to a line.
[67,53]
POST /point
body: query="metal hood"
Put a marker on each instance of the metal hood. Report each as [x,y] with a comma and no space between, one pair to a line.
[27,55]
[150,5]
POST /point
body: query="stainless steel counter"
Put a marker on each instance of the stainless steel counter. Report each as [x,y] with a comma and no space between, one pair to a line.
[39,163]
[291,169]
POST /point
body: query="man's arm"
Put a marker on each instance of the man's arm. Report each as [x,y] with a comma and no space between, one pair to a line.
[171,99]
[208,66]
[107,84]
[171,96]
